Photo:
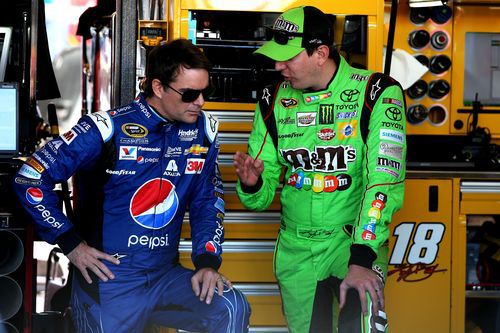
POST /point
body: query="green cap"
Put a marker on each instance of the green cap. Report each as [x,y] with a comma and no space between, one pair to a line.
[296,29]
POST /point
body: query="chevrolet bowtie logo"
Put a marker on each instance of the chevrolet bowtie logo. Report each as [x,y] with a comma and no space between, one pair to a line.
[196,150]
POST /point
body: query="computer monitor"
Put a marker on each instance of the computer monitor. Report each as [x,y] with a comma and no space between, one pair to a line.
[5,36]
[482,68]
[9,120]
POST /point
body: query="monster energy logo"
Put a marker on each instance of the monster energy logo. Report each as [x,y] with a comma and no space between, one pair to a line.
[326,114]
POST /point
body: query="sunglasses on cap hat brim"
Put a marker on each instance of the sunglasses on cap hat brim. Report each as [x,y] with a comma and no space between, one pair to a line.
[282,37]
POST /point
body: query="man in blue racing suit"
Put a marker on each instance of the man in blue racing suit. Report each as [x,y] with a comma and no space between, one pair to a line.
[138,168]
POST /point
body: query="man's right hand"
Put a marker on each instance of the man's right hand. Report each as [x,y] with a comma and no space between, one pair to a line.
[247,169]
[85,257]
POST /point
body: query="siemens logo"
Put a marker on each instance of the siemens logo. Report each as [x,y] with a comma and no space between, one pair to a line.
[391,135]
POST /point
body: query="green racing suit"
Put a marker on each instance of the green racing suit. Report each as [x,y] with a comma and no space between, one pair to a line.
[343,153]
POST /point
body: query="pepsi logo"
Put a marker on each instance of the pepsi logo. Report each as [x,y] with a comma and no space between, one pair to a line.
[154,204]
[211,247]
[34,195]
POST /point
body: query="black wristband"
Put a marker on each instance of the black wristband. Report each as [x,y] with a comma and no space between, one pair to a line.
[362,255]
[252,189]
[68,241]
[207,261]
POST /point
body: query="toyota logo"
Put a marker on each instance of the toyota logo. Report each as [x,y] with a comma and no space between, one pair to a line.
[349,95]
[394,114]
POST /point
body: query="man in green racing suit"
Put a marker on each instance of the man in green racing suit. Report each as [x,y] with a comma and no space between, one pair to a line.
[339,134]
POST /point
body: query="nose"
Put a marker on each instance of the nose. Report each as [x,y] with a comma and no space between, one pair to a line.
[199,101]
[280,65]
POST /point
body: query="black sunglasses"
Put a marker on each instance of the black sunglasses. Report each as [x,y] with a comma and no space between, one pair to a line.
[282,36]
[191,95]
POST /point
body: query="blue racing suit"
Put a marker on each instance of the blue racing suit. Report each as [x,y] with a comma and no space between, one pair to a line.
[136,174]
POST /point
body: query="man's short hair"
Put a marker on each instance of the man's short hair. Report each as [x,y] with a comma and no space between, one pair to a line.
[166,60]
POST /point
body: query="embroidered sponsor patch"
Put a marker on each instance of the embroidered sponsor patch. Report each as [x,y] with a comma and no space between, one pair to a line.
[35,165]
[194,165]
[391,150]
[211,126]
[220,204]
[103,123]
[288,102]
[391,135]
[128,153]
[326,114]
[134,130]
[305,119]
[347,129]
[69,136]
[29,172]
[30,182]
[392,101]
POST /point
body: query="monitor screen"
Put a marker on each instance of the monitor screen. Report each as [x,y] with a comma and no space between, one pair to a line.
[5,36]
[482,68]
[9,125]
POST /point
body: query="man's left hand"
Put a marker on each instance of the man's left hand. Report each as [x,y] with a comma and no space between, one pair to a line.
[204,282]
[363,280]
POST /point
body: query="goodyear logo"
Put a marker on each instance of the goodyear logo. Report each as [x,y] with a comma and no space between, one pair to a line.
[326,114]
[134,130]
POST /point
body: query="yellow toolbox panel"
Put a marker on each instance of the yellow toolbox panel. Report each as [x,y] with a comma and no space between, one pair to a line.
[243,261]
[234,121]
[480,197]
[419,272]
[265,301]
[245,225]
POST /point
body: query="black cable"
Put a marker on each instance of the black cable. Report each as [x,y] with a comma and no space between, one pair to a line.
[390,37]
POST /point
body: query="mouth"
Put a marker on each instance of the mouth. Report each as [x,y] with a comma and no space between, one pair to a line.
[193,112]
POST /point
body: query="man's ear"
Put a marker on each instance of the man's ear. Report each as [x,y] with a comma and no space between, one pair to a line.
[158,88]
[323,52]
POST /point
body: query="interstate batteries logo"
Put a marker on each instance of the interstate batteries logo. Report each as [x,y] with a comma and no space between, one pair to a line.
[154,204]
